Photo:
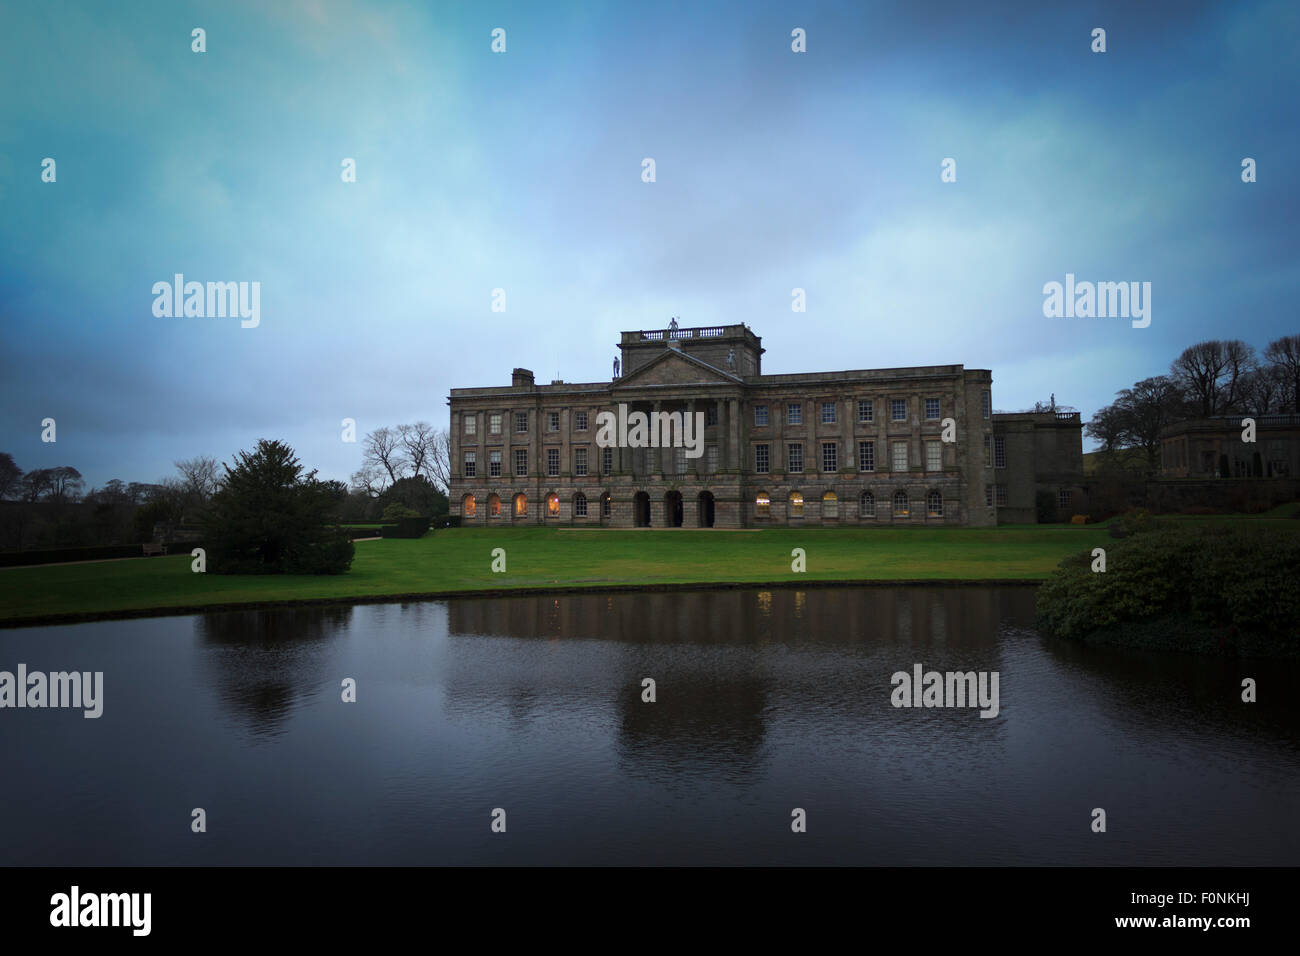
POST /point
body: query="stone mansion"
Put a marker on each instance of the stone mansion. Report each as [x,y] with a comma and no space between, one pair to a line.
[860,447]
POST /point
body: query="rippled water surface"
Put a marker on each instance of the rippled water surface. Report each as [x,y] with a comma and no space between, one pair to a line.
[766,701]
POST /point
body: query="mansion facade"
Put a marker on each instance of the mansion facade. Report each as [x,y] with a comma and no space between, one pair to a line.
[825,448]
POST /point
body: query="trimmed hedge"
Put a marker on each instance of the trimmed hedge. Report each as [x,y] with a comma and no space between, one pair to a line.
[10,559]
[1226,589]
[407,528]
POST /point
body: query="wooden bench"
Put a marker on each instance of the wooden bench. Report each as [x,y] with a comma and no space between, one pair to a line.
[152,548]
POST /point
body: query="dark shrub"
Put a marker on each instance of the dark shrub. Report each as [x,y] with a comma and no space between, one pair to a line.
[1189,587]
[407,528]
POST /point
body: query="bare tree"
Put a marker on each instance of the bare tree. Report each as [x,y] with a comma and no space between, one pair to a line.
[35,485]
[440,459]
[417,444]
[1284,354]
[370,480]
[10,475]
[1264,390]
[1210,374]
[382,448]
[200,476]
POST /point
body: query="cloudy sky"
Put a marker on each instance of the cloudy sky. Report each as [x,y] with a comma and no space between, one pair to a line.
[522,170]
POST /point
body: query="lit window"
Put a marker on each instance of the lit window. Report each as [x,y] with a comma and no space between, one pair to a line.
[761,459]
[866,456]
[867,505]
[796,504]
[898,409]
[999,452]
[934,504]
[580,421]
[900,504]
[494,423]
[760,416]
[494,464]
[866,410]
[471,462]
[762,504]
[934,456]
[552,505]
[471,423]
[830,456]
[580,462]
[830,505]
[900,456]
[794,414]
[931,408]
[521,505]
[521,463]
[794,456]
[580,505]
[828,413]
[494,506]
[552,462]
[468,506]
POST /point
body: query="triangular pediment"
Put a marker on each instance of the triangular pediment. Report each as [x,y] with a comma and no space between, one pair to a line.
[672,367]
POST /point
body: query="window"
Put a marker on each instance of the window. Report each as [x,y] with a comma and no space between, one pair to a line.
[521,505]
[761,460]
[494,423]
[934,504]
[494,506]
[931,409]
[999,452]
[494,464]
[710,414]
[900,504]
[468,506]
[900,456]
[866,410]
[552,505]
[552,462]
[1000,492]
[552,421]
[760,416]
[828,413]
[471,462]
[830,505]
[898,410]
[934,456]
[679,461]
[796,504]
[988,451]
[580,462]
[471,423]
[606,506]
[794,456]
[986,404]
[521,421]
[711,458]
[867,505]
[794,414]
[521,463]
[580,505]
[988,495]
[762,504]
[1063,498]
[866,456]
[830,456]
[580,421]
[607,461]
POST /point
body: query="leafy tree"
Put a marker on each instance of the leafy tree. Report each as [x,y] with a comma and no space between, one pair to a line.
[271,518]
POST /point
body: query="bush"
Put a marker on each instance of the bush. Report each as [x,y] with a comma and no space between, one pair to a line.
[453,521]
[407,528]
[1181,586]
[398,510]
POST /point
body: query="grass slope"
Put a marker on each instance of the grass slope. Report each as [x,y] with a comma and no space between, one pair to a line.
[459,561]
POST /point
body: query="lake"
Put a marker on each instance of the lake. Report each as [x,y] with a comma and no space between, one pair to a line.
[765,701]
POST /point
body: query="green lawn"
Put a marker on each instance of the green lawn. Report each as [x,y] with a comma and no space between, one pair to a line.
[459,561]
